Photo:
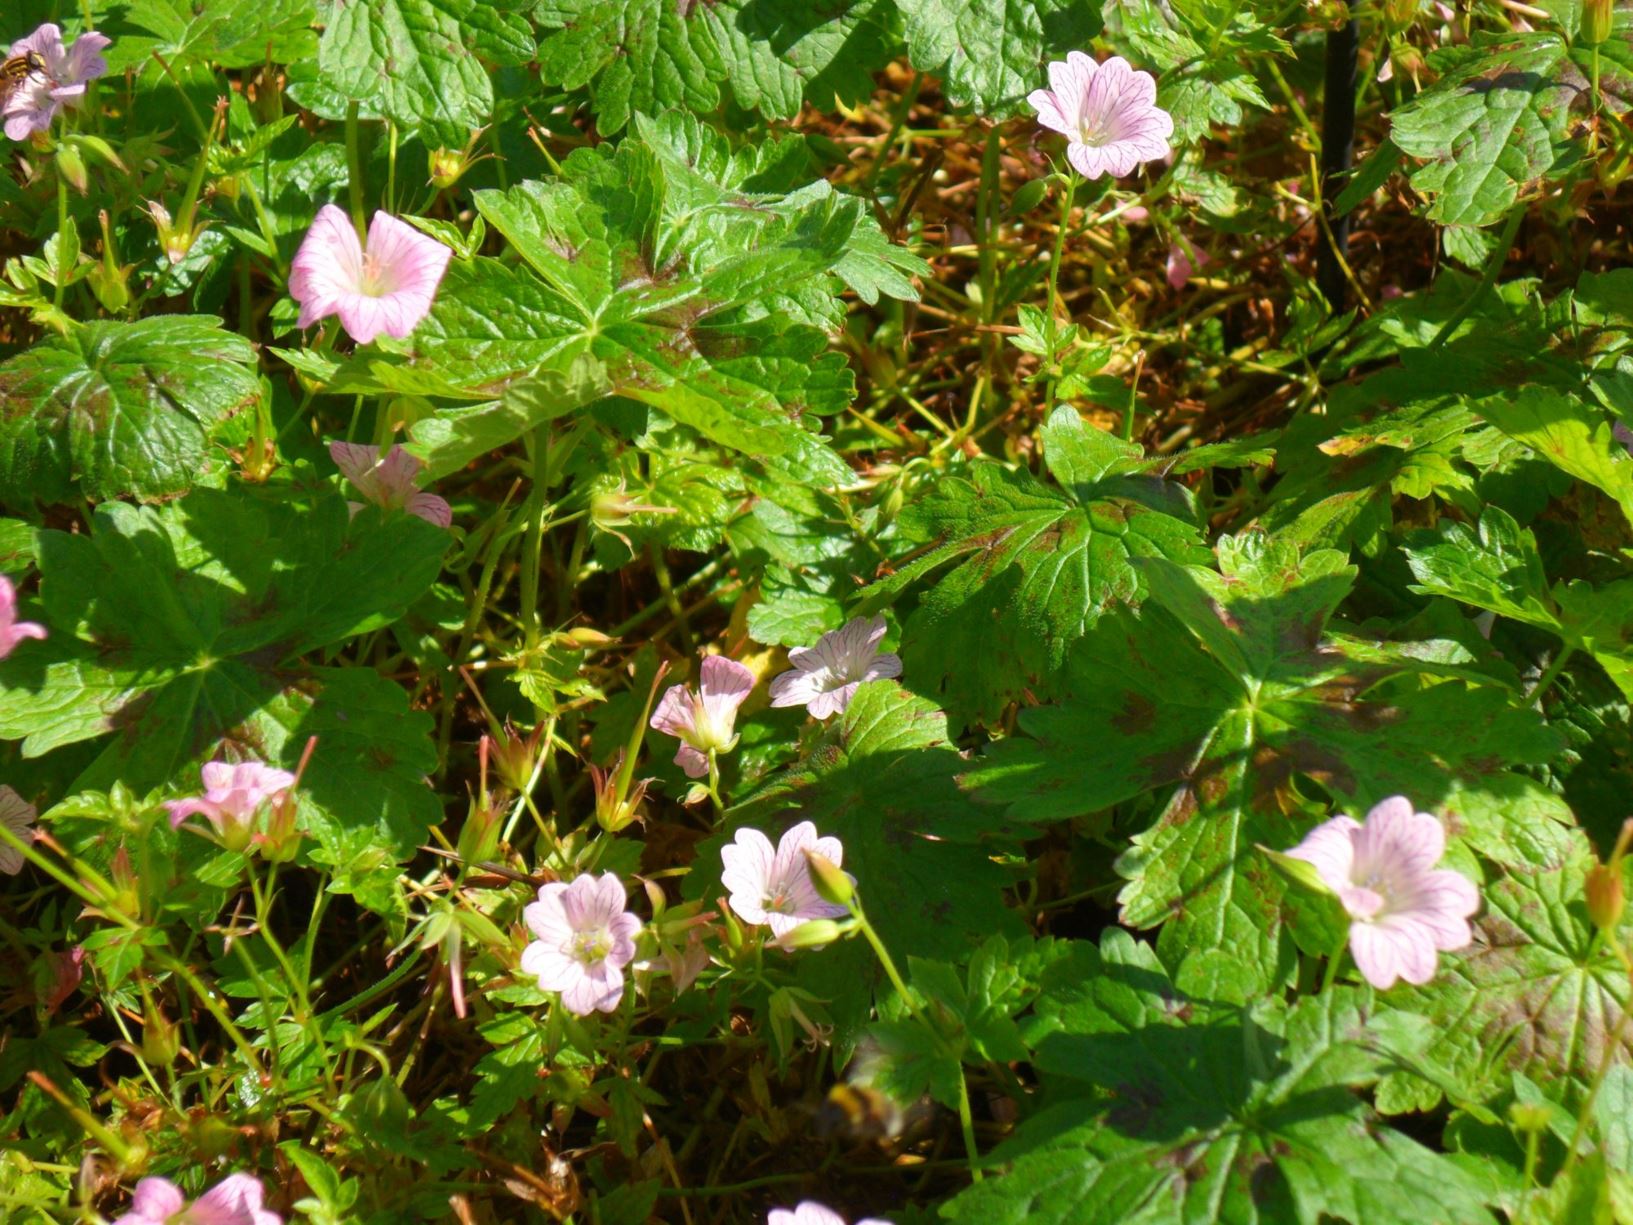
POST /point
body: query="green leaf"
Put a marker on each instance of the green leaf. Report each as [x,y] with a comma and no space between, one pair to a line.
[653,56]
[1034,567]
[119,408]
[1570,433]
[227,33]
[1494,125]
[990,54]
[646,280]
[1497,569]
[1230,698]
[1171,1106]
[882,779]
[177,630]
[419,61]
[1537,992]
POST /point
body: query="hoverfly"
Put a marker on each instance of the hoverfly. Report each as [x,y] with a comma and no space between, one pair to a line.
[16,70]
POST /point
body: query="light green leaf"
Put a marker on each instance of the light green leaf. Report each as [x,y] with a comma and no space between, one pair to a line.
[990,54]
[119,408]
[1494,125]
[419,61]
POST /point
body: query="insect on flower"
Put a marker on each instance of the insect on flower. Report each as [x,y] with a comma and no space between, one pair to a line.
[16,70]
[40,76]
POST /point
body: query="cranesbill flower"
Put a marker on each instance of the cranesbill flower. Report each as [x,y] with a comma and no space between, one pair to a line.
[824,677]
[704,721]
[16,814]
[585,939]
[13,631]
[233,794]
[389,482]
[386,286]
[1403,910]
[1184,261]
[1108,113]
[38,97]
[235,1200]
[773,887]
[809,1212]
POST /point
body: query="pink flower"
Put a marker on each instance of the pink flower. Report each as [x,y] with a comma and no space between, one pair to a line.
[1402,909]
[389,482]
[1108,112]
[386,286]
[1183,261]
[13,631]
[585,939]
[824,677]
[16,814]
[235,1200]
[773,887]
[39,96]
[809,1212]
[705,721]
[233,794]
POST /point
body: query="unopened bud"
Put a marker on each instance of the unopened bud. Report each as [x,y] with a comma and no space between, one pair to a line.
[479,836]
[515,756]
[833,884]
[584,636]
[160,1041]
[446,167]
[733,929]
[611,509]
[72,167]
[1604,895]
[811,934]
[1597,16]
[1529,1116]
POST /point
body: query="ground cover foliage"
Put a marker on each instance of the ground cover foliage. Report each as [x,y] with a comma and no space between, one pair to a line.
[1047,553]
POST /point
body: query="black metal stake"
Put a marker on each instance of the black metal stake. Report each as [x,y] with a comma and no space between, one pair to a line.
[1337,152]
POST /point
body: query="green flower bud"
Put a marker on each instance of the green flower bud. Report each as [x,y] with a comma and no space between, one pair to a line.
[832,883]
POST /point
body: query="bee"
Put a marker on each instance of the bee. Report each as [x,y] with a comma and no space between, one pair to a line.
[857,1110]
[18,69]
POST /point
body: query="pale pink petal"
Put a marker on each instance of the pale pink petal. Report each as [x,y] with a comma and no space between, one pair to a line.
[723,686]
[747,862]
[180,810]
[1330,849]
[431,508]
[693,763]
[675,713]
[154,1202]
[828,702]
[1050,114]
[1374,955]
[327,270]
[796,687]
[235,1200]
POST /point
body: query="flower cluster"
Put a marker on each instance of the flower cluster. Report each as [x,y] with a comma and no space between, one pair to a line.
[1108,113]
[233,796]
[235,1200]
[1403,910]
[390,481]
[58,81]
[13,631]
[383,286]
[585,938]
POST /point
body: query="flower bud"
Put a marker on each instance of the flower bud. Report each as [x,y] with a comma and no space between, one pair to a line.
[160,1041]
[280,842]
[733,929]
[832,883]
[811,934]
[1597,16]
[1604,896]
[446,167]
[612,811]
[611,509]
[479,836]
[1529,1116]
[1398,14]
[72,167]
[515,756]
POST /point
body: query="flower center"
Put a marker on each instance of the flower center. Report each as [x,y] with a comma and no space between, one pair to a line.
[377,280]
[780,901]
[591,946]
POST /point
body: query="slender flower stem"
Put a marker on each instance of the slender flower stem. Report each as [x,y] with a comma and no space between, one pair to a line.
[1488,275]
[1333,964]
[354,170]
[1067,190]
[1546,680]
[63,222]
